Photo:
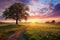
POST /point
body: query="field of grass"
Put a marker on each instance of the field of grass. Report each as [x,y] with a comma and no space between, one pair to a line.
[7,29]
[42,32]
[34,31]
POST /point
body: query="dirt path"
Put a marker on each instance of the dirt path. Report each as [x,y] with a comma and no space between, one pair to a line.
[18,35]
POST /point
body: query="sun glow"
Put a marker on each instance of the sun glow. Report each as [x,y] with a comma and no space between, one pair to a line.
[33,20]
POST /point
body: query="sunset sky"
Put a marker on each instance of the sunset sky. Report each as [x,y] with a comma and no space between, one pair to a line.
[40,10]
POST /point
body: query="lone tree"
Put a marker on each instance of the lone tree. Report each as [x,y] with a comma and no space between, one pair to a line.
[53,21]
[17,11]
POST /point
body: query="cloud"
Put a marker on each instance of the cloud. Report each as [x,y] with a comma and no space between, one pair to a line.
[6,3]
[34,6]
[56,11]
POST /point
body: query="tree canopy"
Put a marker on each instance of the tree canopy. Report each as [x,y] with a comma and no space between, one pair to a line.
[17,11]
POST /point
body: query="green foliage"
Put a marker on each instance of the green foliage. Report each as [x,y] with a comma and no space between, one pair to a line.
[16,9]
[7,26]
[9,32]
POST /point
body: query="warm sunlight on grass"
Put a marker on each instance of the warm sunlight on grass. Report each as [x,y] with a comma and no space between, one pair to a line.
[41,31]
[33,29]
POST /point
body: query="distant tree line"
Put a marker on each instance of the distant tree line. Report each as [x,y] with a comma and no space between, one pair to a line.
[53,21]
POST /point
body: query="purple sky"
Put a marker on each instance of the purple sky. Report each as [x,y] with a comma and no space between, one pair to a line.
[39,8]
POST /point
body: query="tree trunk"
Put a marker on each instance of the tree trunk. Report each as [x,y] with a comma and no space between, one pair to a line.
[16,19]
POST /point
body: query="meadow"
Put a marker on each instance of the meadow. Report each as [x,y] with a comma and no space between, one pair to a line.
[34,31]
[42,32]
[7,29]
